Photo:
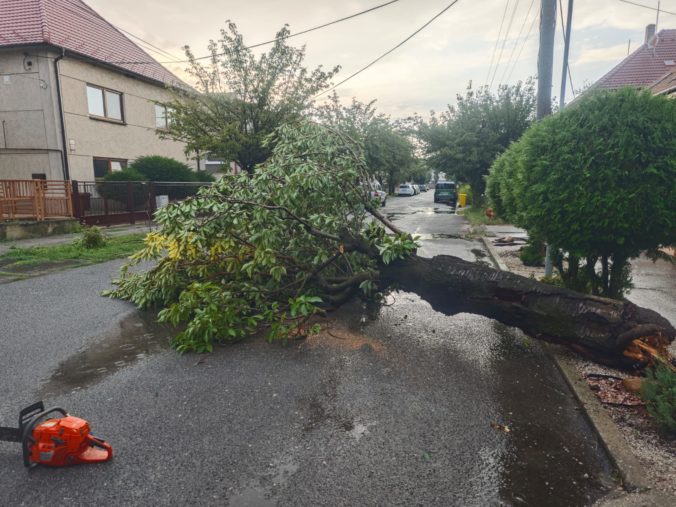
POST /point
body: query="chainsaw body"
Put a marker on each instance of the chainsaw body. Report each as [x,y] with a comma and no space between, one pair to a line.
[55,442]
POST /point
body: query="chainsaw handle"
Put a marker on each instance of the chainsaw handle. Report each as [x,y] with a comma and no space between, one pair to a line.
[28,430]
[101,444]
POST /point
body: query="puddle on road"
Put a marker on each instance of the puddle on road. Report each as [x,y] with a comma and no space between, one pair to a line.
[258,495]
[137,336]
[393,215]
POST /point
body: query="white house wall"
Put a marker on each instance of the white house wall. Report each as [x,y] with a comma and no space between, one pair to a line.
[88,138]
[30,139]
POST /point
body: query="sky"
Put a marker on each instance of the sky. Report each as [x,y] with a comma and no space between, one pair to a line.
[429,70]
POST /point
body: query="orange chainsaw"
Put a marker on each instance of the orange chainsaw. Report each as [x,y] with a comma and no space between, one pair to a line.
[55,442]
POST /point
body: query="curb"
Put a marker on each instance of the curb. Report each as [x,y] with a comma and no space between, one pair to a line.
[628,466]
[613,442]
[494,254]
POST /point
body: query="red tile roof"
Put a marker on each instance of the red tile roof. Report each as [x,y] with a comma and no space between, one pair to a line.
[666,85]
[644,66]
[74,26]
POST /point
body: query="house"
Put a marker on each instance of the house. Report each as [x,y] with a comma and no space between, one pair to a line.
[666,85]
[78,99]
[651,66]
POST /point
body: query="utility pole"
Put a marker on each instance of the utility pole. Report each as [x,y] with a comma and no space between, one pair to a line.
[566,50]
[545,72]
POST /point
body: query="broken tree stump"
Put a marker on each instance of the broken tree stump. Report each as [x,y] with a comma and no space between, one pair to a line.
[616,333]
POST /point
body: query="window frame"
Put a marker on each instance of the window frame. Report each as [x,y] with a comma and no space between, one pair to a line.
[105,116]
[167,116]
[124,163]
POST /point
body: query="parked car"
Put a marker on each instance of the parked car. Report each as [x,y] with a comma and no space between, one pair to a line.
[376,192]
[445,191]
[423,188]
[405,189]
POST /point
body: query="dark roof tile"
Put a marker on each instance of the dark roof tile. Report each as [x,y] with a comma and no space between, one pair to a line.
[74,26]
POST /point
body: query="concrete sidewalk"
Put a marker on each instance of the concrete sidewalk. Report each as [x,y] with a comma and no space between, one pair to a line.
[118,230]
[654,282]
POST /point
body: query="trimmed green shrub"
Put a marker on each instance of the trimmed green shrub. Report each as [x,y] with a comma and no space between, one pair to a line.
[598,181]
[114,186]
[164,169]
[659,393]
[157,168]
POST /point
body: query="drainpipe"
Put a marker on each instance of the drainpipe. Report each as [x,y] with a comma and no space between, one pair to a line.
[66,171]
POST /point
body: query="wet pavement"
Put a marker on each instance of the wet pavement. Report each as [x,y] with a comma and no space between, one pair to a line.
[397,405]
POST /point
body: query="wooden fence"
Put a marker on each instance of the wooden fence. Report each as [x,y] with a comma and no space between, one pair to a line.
[35,199]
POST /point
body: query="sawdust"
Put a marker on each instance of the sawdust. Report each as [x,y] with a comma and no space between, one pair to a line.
[333,335]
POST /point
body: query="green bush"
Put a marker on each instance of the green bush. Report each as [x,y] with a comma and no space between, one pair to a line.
[659,394]
[598,181]
[157,168]
[164,169]
[92,237]
[114,186]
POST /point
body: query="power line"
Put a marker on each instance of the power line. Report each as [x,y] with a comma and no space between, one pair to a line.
[497,42]
[272,41]
[354,74]
[523,44]
[516,41]
[504,42]
[648,7]
[93,16]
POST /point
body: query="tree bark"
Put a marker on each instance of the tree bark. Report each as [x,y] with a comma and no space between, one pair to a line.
[604,329]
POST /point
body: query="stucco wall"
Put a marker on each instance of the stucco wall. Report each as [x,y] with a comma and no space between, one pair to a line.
[30,139]
[96,138]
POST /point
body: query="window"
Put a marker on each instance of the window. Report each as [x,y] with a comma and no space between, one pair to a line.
[103,166]
[162,117]
[104,103]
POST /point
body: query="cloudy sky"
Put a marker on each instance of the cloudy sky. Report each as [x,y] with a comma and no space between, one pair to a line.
[431,68]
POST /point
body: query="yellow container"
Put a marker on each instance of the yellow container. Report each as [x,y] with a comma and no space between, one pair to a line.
[462,200]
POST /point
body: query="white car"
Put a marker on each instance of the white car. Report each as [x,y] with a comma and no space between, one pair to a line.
[405,189]
[377,192]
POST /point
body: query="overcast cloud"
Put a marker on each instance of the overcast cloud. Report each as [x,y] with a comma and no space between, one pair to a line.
[429,70]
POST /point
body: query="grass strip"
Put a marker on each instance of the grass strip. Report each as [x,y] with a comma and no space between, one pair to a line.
[114,248]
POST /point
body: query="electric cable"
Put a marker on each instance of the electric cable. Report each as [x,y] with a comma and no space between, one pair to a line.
[271,41]
[497,42]
[523,44]
[516,41]
[662,11]
[504,42]
[354,74]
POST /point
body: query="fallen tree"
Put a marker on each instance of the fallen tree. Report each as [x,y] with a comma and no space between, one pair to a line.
[300,236]
[612,332]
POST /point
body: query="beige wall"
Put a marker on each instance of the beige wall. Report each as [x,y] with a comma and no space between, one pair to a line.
[96,138]
[30,140]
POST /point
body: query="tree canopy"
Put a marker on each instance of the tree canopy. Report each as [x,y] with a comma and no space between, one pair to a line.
[267,251]
[388,153]
[597,180]
[243,98]
[463,141]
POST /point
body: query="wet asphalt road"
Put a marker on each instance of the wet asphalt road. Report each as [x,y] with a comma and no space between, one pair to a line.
[392,406]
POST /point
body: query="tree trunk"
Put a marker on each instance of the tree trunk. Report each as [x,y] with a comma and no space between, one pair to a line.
[606,330]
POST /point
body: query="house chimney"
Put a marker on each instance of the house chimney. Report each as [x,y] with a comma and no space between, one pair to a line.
[649,33]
